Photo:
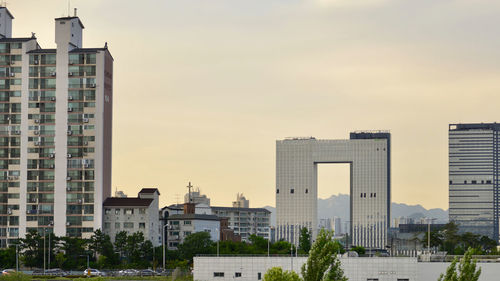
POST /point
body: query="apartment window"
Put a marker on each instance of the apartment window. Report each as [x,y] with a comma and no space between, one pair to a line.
[128,225]
[307,190]
[375,195]
[186,233]
[218,274]
[451,182]
[488,182]
[117,225]
[107,211]
[187,222]
[465,182]
[277,191]
[142,225]
[372,279]
[175,222]
[237,274]
[117,211]
[142,211]
[128,211]
[292,191]
[259,276]
[107,225]
[474,182]
[404,279]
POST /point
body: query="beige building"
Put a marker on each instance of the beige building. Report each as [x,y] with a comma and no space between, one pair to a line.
[55,132]
[133,214]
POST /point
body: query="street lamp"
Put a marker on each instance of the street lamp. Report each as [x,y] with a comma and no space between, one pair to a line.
[88,262]
[218,238]
[50,224]
[163,242]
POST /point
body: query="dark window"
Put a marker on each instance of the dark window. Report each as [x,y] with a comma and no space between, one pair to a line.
[237,274]
[404,279]
[465,182]
[218,274]
[488,181]
[371,195]
[482,181]
[259,276]
[307,190]
[451,182]
[292,190]
[474,182]
[375,194]
[278,190]
[372,279]
[361,195]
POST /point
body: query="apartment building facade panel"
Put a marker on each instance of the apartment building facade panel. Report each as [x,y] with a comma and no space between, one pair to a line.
[246,221]
[55,133]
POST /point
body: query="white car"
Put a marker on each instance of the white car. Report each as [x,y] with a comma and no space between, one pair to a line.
[93,272]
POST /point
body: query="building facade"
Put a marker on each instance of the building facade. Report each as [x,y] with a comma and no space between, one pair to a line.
[134,214]
[254,268]
[368,154]
[246,221]
[55,132]
[473,177]
[182,225]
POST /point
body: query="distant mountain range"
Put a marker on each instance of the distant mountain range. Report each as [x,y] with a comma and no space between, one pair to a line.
[338,206]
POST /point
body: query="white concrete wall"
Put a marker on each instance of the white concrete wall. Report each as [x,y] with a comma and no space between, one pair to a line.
[356,269]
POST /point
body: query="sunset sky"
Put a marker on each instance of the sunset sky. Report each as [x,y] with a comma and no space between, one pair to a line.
[203,89]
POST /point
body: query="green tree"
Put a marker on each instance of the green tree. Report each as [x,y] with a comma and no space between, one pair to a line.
[450,237]
[196,243]
[75,252]
[323,263]
[8,257]
[437,239]
[359,249]
[277,274]
[121,244]
[32,249]
[467,269]
[304,241]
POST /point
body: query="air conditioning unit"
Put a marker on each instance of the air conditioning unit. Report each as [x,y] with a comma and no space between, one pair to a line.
[70,133]
[12,74]
[68,188]
[70,98]
[52,166]
[53,98]
[85,120]
[9,211]
[92,85]
[68,178]
[70,109]
[68,224]
[37,121]
[52,74]
[17,132]
[85,143]
[33,200]
[80,200]
[86,165]
[28,212]
[36,132]
[8,117]
[35,62]
[13,62]
[70,74]
[37,143]
[69,155]
[52,155]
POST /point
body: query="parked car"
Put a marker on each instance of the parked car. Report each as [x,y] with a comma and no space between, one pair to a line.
[128,272]
[56,272]
[8,271]
[147,272]
[93,272]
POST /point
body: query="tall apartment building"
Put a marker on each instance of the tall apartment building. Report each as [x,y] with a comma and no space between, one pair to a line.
[55,132]
[473,175]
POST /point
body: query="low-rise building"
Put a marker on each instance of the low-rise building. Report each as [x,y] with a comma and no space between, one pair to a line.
[182,225]
[133,214]
[246,221]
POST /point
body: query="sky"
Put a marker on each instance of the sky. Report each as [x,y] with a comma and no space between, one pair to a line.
[203,89]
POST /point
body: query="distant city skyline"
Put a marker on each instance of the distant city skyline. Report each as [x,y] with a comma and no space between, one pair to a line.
[203,90]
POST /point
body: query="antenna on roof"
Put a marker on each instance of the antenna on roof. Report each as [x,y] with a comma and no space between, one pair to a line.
[75,12]
[69,3]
